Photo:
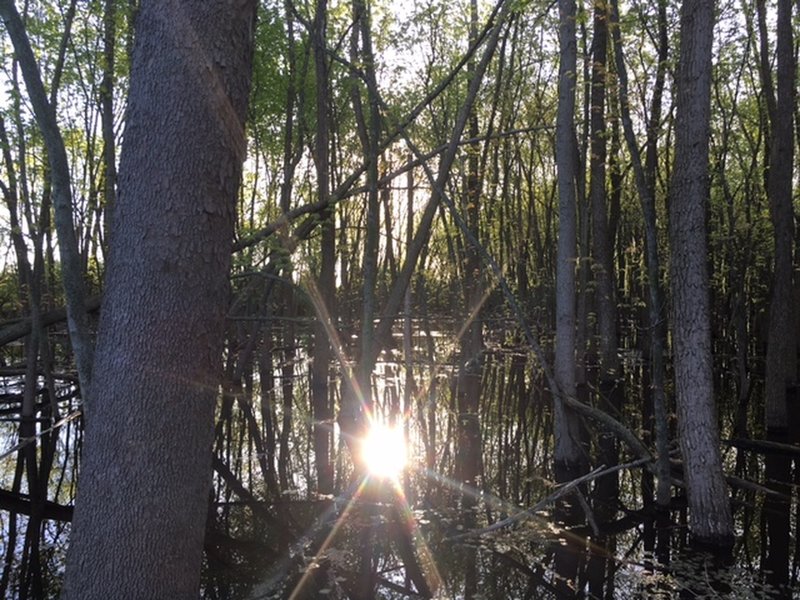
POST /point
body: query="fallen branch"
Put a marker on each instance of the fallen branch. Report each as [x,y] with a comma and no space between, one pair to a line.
[562,491]
[755,487]
[29,440]
[18,330]
[765,447]
[22,504]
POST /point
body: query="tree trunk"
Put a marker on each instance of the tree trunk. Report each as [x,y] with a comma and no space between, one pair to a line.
[320,368]
[146,471]
[107,115]
[610,393]
[781,362]
[609,388]
[469,454]
[470,367]
[569,455]
[710,514]
[645,186]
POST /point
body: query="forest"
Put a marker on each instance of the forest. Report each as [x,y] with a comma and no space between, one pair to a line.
[367,299]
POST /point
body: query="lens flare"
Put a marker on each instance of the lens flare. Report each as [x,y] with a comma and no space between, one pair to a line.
[383,451]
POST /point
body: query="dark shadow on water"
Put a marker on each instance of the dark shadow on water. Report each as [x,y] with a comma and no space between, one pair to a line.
[776,520]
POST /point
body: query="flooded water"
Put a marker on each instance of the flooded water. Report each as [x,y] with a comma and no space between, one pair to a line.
[424,535]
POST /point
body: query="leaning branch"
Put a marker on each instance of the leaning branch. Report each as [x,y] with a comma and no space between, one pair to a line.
[18,330]
[23,505]
[559,493]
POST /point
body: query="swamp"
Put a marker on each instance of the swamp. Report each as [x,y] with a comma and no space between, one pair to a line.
[366,299]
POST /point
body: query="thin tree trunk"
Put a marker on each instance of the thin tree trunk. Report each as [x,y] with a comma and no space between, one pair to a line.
[469,454]
[610,392]
[570,457]
[107,115]
[368,130]
[320,368]
[781,364]
[645,185]
[781,360]
[470,367]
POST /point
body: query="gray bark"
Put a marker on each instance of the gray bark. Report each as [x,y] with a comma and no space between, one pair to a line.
[146,474]
[601,239]
[609,388]
[568,452]
[710,515]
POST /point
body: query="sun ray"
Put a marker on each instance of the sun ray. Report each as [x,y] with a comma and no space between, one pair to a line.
[433,576]
[298,589]
[333,336]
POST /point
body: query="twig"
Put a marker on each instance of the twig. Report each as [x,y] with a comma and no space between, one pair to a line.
[29,440]
[559,493]
[588,511]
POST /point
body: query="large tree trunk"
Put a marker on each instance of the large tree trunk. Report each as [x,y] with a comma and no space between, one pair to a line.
[710,514]
[146,471]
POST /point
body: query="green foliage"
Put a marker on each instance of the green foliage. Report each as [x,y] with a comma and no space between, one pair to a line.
[271,77]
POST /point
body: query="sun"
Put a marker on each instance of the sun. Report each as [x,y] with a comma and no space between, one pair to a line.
[383,450]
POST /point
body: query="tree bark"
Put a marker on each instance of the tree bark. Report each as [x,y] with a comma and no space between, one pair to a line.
[468,458]
[781,362]
[471,367]
[610,390]
[569,455]
[710,515]
[146,472]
